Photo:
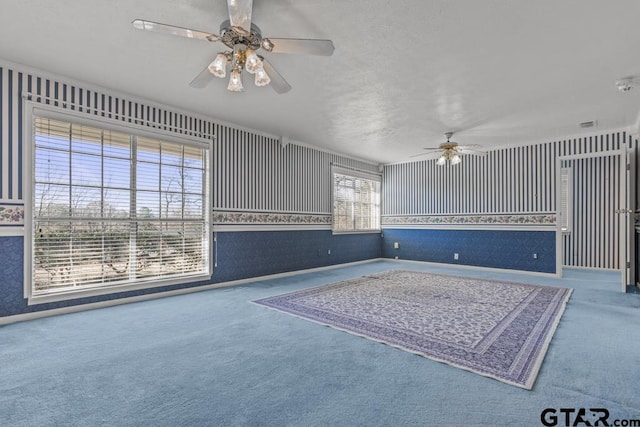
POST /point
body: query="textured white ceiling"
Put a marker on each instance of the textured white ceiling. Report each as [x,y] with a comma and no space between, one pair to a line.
[404,72]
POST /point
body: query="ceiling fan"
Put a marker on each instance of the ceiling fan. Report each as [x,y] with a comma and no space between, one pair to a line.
[450,151]
[244,39]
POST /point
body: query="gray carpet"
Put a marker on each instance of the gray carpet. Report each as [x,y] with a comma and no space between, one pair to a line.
[214,358]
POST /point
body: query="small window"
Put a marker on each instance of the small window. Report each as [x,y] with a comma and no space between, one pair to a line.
[356,201]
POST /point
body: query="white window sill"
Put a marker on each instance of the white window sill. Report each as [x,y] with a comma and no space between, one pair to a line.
[67,294]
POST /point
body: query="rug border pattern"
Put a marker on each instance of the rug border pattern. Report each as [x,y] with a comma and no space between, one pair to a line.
[524,370]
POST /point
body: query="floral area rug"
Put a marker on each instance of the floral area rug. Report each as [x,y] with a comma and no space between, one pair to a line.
[497,329]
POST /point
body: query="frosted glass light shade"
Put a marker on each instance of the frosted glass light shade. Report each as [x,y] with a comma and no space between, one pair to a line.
[456,159]
[253,64]
[262,78]
[235,82]
[441,160]
[219,66]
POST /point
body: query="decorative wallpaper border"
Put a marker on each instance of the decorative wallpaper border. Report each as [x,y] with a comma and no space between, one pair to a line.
[11,214]
[541,219]
[269,218]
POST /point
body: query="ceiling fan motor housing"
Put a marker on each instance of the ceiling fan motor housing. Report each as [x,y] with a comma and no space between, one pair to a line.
[449,145]
[232,36]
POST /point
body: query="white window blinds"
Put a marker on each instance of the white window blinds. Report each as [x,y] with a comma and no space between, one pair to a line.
[112,208]
[356,201]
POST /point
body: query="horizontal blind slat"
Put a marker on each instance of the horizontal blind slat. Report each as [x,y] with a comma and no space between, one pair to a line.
[86,231]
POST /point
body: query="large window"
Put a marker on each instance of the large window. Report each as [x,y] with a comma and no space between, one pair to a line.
[112,207]
[356,201]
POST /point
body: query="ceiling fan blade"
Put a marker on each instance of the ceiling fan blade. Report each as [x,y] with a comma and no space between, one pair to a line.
[475,149]
[278,83]
[240,13]
[431,155]
[474,152]
[173,30]
[304,46]
[202,79]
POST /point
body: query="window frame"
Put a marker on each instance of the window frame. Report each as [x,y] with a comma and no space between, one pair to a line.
[354,173]
[33,110]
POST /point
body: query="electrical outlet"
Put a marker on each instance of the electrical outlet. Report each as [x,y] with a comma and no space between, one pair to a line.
[535,256]
[455,256]
[328,251]
[396,245]
[396,257]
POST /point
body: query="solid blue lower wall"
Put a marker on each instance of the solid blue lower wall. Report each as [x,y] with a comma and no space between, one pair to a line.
[240,255]
[483,248]
[249,254]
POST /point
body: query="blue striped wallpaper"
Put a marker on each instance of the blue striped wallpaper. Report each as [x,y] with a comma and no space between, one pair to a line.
[251,171]
[11,84]
[510,180]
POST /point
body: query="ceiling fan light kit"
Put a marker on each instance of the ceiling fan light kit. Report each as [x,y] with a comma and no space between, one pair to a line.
[450,152]
[627,83]
[449,156]
[245,39]
[262,78]
[219,65]
[235,81]
[253,63]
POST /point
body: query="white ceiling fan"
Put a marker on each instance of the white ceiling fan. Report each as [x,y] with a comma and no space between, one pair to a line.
[244,38]
[450,151]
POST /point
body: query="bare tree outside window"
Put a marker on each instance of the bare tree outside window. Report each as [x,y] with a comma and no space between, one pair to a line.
[111,208]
